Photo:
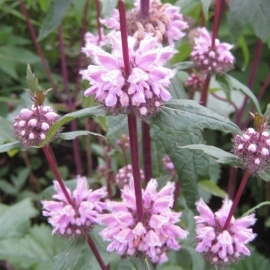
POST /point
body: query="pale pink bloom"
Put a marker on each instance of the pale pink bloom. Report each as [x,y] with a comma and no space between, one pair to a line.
[124,175]
[219,246]
[253,150]
[77,219]
[168,165]
[143,90]
[151,237]
[195,81]
[95,39]
[31,126]
[211,59]
[164,21]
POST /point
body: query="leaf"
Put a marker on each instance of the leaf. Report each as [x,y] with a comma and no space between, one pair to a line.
[10,146]
[16,217]
[212,188]
[178,124]
[176,88]
[74,134]
[265,175]
[255,207]
[55,14]
[117,125]
[236,85]
[205,6]
[36,249]
[141,263]
[184,65]
[220,155]
[185,115]
[69,258]
[107,7]
[256,13]
[6,134]
[244,47]
[92,111]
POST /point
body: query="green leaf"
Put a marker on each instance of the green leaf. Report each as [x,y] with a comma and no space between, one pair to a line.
[6,134]
[185,115]
[244,47]
[69,258]
[10,146]
[108,7]
[141,263]
[176,88]
[256,13]
[87,112]
[36,249]
[117,125]
[184,65]
[265,175]
[220,155]
[55,14]
[236,85]
[205,6]
[74,134]
[255,207]
[14,219]
[212,188]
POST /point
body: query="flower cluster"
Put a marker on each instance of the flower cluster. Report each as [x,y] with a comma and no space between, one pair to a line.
[195,81]
[123,141]
[124,175]
[253,150]
[30,127]
[168,165]
[152,236]
[211,58]
[222,247]
[141,92]
[165,22]
[76,219]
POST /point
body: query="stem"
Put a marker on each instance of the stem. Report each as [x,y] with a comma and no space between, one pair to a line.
[144,9]
[205,91]
[98,21]
[52,163]
[39,50]
[109,173]
[124,35]
[96,253]
[76,149]
[146,147]
[218,12]
[132,124]
[237,198]
[134,149]
[254,68]
[176,192]
[202,17]
[83,30]
[231,182]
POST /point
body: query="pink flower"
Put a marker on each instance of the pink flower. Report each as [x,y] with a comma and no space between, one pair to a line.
[165,22]
[152,236]
[31,126]
[219,246]
[76,219]
[195,81]
[168,165]
[95,39]
[253,150]
[143,90]
[211,59]
[124,175]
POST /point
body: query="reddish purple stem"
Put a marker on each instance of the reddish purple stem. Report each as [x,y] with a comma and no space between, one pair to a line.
[144,9]
[98,21]
[237,198]
[218,12]
[96,253]
[57,175]
[146,149]
[204,94]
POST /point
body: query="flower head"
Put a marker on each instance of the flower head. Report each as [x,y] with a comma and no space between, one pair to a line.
[30,127]
[219,246]
[168,165]
[165,22]
[77,219]
[124,175]
[195,81]
[123,142]
[253,150]
[209,58]
[152,236]
[141,92]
